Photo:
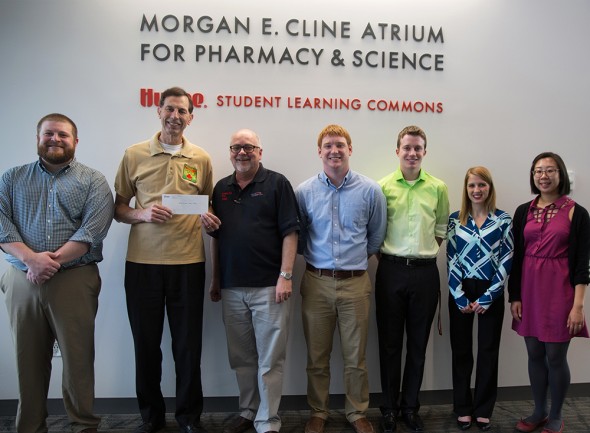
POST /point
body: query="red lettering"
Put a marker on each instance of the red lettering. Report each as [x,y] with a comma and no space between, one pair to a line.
[150,98]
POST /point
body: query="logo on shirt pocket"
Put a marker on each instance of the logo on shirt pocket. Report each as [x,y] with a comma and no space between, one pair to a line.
[189,173]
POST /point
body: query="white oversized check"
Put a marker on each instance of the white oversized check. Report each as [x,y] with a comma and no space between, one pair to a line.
[186,204]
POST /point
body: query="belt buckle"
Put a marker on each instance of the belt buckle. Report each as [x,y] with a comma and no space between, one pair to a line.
[333,273]
[408,262]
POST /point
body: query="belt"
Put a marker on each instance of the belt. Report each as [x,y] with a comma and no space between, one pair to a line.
[333,273]
[62,269]
[409,261]
[417,262]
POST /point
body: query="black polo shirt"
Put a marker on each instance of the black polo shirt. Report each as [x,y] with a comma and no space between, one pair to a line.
[254,222]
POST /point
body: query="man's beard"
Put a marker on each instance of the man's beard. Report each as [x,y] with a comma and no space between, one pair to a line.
[66,155]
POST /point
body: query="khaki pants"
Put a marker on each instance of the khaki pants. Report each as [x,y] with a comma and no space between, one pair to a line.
[328,302]
[61,309]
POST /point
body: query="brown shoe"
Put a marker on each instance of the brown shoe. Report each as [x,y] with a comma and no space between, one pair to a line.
[89,430]
[315,424]
[239,425]
[362,425]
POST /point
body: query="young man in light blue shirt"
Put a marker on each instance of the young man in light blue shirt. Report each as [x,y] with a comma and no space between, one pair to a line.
[343,220]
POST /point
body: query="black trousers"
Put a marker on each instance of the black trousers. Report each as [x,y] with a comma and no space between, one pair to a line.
[489,325]
[406,298]
[177,290]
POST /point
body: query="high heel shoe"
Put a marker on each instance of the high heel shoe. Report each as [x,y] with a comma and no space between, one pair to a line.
[527,426]
[483,425]
[463,425]
[548,430]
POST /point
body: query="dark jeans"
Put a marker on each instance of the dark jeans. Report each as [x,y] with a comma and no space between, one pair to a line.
[177,290]
[481,404]
[406,298]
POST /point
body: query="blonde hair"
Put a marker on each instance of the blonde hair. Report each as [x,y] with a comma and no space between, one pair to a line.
[490,202]
[334,131]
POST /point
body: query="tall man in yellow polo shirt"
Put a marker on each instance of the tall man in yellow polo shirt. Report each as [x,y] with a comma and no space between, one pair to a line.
[407,281]
[165,266]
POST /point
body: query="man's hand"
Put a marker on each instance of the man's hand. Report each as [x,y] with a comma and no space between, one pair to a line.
[283,290]
[156,213]
[42,266]
[215,290]
[210,222]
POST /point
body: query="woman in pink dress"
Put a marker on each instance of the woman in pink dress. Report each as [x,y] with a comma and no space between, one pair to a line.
[547,285]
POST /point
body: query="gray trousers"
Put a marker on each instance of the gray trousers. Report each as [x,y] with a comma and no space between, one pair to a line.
[257,329]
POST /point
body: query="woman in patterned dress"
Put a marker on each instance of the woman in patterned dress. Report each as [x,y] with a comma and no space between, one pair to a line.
[547,285]
[479,258]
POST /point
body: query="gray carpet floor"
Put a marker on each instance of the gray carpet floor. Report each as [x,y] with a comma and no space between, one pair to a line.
[437,419]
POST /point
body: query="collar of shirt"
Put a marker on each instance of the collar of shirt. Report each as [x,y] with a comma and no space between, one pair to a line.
[399,177]
[157,149]
[44,169]
[556,204]
[324,178]
[260,176]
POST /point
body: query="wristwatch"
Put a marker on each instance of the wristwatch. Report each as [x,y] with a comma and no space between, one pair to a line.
[286,275]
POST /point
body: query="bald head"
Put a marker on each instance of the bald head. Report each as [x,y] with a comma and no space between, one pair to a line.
[247,134]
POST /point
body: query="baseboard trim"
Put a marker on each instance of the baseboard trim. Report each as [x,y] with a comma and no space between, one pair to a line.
[288,402]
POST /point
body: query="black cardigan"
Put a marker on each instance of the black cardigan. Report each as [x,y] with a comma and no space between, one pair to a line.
[578,249]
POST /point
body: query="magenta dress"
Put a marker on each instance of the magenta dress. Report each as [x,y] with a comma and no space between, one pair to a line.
[546,293]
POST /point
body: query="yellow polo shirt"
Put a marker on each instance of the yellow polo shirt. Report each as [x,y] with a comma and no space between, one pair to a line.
[146,172]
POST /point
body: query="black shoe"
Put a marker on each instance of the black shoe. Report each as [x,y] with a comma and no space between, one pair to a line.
[463,425]
[191,428]
[483,426]
[148,427]
[388,423]
[413,421]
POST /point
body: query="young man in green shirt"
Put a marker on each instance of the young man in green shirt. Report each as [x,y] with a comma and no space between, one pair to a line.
[407,282]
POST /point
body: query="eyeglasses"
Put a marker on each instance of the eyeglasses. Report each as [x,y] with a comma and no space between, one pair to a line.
[538,172]
[248,148]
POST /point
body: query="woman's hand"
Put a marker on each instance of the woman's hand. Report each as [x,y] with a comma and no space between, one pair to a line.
[516,310]
[476,308]
[466,310]
[575,320]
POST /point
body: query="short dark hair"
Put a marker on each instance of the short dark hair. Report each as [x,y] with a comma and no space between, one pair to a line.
[57,117]
[564,179]
[411,130]
[177,91]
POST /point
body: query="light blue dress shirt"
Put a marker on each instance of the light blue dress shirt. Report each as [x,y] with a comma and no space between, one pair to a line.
[341,226]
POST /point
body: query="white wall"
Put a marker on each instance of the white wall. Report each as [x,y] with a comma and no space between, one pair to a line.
[514,84]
